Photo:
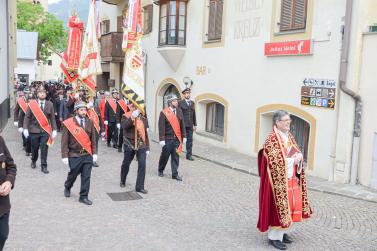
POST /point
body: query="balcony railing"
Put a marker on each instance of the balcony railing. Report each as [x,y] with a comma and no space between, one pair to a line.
[111,47]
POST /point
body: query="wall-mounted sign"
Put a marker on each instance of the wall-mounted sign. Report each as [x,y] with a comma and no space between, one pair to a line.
[300,47]
[318,93]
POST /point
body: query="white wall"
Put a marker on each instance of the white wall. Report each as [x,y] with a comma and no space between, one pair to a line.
[47,72]
[26,66]
[3,53]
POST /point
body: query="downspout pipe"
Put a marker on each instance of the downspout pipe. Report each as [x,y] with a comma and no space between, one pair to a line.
[356,97]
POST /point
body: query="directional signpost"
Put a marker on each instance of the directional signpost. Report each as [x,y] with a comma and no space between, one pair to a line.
[318,93]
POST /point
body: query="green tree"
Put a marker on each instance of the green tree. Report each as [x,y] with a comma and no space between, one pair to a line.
[51,32]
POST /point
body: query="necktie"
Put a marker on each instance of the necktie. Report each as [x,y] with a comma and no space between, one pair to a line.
[174,112]
[82,123]
[42,106]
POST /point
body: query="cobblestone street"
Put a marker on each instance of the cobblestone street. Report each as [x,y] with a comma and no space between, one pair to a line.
[214,208]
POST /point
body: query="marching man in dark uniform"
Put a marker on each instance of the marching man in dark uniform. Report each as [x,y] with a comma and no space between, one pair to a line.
[110,119]
[79,150]
[188,109]
[8,172]
[172,134]
[134,123]
[40,123]
[21,118]
[122,108]
[19,115]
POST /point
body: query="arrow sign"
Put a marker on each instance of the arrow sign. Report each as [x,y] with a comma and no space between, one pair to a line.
[331,93]
[331,103]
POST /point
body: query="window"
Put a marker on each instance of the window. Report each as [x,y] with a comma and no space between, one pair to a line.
[172,22]
[215,118]
[148,19]
[215,20]
[293,15]
[105,27]
[49,62]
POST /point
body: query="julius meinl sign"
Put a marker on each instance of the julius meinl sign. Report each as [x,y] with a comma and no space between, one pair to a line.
[318,93]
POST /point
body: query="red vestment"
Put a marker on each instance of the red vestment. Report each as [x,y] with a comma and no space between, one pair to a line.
[275,188]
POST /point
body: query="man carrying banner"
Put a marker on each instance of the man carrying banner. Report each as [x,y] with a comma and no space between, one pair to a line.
[188,109]
[41,125]
[283,196]
[110,119]
[122,108]
[19,114]
[136,142]
[79,151]
[172,134]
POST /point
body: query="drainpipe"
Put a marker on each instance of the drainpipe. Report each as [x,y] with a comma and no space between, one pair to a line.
[343,86]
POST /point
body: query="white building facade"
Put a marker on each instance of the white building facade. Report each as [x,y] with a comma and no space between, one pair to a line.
[248,58]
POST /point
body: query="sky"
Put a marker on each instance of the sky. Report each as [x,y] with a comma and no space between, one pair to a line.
[53,1]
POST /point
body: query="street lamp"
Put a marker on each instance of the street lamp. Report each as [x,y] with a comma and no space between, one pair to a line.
[188,82]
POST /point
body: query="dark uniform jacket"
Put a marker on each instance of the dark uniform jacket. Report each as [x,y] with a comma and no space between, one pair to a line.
[120,112]
[165,129]
[189,115]
[8,172]
[110,115]
[31,123]
[129,133]
[71,147]
[17,112]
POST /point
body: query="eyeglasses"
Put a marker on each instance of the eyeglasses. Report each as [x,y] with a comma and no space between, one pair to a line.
[286,120]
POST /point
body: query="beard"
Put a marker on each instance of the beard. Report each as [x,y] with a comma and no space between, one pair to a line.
[81,115]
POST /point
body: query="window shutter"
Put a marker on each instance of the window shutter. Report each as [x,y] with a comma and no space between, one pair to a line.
[293,15]
[120,24]
[299,15]
[215,19]
[219,19]
[148,19]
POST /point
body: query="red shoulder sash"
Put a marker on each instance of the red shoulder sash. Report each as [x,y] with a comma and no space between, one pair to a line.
[92,115]
[173,120]
[22,104]
[42,120]
[112,104]
[79,134]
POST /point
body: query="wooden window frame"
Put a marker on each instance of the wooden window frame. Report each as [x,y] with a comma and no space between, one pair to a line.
[176,42]
[105,26]
[292,26]
[212,129]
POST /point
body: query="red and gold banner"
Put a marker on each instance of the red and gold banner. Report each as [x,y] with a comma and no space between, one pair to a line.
[173,120]
[79,134]
[90,83]
[75,29]
[42,120]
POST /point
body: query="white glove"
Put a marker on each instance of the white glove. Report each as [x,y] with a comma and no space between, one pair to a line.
[26,133]
[184,140]
[118,126]
[106,122]
[20,130]
[147,152]
[135,113]
[54,134]
[162,143]
[95,157]
[15,123]
[77,96]
[65,161]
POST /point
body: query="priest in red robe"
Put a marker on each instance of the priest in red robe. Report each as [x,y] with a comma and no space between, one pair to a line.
[283,197]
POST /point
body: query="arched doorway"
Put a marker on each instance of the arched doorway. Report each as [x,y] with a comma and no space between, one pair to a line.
[303,128]
[171,90]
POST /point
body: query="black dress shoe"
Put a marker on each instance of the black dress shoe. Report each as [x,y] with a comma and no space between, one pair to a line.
[287,239]
[95,164]
[177,177]
[86,201]
[115,146]
[67,192]
[142,191]
[44,170]
[27,154]
[122,184]
[190,158]
[278,244]
[161,174]
[33,165]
